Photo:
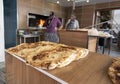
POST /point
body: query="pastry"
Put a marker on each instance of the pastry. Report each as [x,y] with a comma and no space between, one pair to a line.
[114,71]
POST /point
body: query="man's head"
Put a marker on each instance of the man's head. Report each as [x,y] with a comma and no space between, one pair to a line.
[73,16]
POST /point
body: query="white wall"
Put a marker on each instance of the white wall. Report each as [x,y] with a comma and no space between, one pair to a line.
[2,54]
[116,16]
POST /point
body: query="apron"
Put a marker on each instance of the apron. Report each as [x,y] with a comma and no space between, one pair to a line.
[71,25]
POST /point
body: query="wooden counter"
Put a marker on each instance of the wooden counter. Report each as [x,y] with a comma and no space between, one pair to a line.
[90,70]
[74,38]
[79,38]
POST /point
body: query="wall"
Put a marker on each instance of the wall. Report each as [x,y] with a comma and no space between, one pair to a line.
[10,22]
[78,13]
[116,16]
[2,54]
[85,14]
[38,7]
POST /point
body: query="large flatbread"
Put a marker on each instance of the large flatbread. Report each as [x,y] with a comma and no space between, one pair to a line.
[48,55]
[25,49]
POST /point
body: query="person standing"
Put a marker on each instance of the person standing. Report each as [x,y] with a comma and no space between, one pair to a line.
[72,23]
[51,24]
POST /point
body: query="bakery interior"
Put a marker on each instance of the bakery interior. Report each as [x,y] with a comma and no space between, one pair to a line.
[97,38]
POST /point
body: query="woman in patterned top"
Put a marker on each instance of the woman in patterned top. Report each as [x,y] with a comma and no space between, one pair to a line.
[51,23]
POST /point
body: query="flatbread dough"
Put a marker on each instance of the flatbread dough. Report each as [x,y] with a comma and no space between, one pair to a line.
[48,55]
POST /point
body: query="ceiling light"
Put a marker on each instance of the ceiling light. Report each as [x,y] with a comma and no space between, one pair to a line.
[80,0]
[58,2]
[87,1]
[68,0]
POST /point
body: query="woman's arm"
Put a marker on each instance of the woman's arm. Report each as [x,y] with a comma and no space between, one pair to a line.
[59,24]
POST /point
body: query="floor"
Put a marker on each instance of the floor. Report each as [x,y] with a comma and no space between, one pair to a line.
[115,52]
[2,73]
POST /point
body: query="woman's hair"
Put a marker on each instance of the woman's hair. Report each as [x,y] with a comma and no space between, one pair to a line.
[52,13]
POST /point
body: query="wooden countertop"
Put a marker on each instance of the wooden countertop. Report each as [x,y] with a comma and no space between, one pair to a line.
[90,70]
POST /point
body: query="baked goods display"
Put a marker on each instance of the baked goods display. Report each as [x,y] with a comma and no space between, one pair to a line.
[95,32]
[104,34]
[114,71]
[48,55]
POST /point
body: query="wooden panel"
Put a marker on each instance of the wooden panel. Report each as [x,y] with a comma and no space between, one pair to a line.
[90,70]
[92,43]
[39,78]
[74,38]
[17,72]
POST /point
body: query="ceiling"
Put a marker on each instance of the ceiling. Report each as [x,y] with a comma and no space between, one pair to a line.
[66,3]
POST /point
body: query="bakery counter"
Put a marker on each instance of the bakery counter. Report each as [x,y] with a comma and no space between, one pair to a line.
[90,70]
[74,37]
[78,38]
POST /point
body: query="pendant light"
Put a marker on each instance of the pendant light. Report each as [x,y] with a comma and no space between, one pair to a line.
[73,7]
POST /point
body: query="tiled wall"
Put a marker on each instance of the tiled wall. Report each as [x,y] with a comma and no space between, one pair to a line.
[38,7]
